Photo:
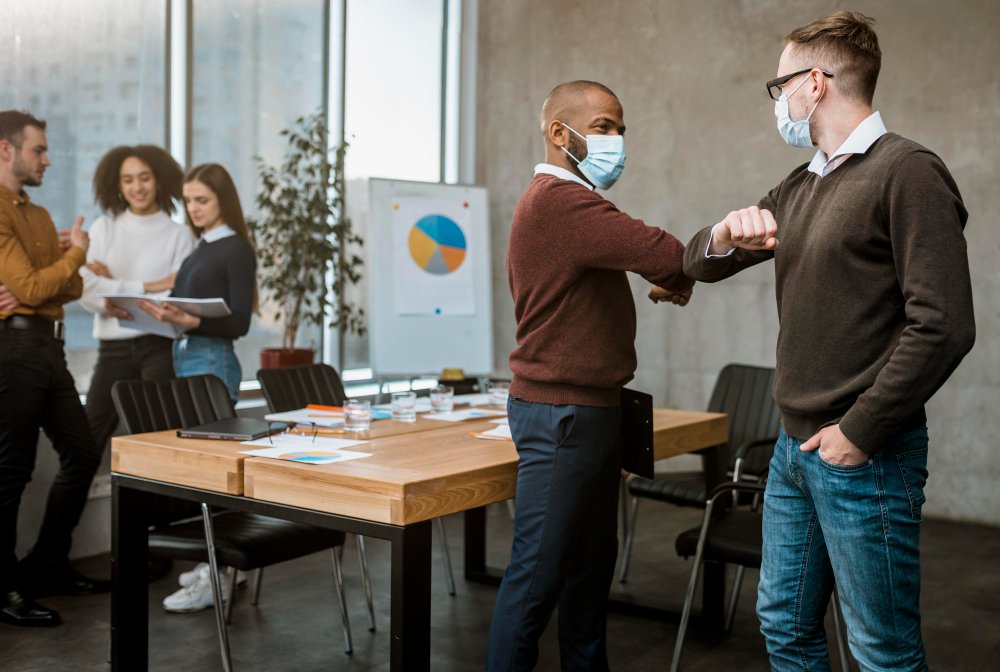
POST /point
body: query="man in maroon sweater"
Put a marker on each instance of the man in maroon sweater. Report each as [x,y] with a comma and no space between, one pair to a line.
[567,256]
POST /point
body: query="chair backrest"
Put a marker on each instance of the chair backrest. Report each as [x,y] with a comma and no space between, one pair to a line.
[291,387]
[156,405]
[745,393]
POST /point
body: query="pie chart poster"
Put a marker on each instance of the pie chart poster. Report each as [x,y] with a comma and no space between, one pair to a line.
[433,258]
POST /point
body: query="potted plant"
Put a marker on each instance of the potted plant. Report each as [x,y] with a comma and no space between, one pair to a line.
[302,236]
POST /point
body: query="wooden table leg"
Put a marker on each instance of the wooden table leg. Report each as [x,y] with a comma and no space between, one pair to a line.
[410,619]
[129,580]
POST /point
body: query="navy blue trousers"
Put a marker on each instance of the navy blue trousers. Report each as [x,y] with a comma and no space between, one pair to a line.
[565,535]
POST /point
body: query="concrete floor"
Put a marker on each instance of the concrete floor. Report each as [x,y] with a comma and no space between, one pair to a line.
[297,626]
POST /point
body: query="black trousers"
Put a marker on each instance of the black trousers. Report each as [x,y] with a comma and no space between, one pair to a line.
[145,358]
[37,391]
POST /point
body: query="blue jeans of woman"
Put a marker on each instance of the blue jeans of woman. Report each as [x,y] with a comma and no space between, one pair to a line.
[856,525]
[197,355]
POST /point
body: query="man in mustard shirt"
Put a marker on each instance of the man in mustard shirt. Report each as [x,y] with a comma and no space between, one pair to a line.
[38,275]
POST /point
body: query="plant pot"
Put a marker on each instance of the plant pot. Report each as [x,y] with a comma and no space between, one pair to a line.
[275,358]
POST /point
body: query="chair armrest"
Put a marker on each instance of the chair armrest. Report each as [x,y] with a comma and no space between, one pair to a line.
[748,446]
[746,449]
[729,488]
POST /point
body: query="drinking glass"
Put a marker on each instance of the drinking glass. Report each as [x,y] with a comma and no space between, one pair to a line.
[442,399]
[357,415]
[404,406]
[498,393]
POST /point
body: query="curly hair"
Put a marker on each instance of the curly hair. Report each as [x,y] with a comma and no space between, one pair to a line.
[107,177]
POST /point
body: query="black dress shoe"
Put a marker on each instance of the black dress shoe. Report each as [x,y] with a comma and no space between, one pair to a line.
[66,582]
[18,609]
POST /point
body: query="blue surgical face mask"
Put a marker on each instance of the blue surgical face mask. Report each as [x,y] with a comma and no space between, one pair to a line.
[605,158]
[795,133]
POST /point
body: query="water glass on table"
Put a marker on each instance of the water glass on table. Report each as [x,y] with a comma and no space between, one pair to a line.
[442,399]
[404,406]
[357,415]
[498,393]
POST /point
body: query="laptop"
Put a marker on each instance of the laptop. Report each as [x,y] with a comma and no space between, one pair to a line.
[232,429]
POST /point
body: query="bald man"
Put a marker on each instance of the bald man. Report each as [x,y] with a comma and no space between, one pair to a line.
[568,252]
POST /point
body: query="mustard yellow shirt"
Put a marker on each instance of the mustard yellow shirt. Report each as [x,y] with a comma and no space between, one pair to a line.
[41,276]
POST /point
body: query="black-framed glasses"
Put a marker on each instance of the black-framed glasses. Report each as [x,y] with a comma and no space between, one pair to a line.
[774,86]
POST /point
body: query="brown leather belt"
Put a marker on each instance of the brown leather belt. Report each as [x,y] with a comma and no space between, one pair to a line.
[53,328]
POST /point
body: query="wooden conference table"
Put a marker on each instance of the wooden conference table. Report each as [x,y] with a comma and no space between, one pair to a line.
[417,472]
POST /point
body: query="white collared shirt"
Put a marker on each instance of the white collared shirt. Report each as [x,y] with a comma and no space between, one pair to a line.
[218,233]
[858,142]
[561,173]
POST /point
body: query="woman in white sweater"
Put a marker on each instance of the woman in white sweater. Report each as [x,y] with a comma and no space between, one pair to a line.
[134,248]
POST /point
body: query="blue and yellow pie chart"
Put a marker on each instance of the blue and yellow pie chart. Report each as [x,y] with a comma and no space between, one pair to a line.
[437,244]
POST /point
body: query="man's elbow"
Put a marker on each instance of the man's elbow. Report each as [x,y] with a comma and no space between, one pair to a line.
[697,273]
[963,337]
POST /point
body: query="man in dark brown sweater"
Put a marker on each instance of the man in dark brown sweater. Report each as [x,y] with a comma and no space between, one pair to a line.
[567,256]
[875,304]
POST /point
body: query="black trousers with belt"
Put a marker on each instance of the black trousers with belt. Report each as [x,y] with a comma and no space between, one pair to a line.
[142,358]
[37,391]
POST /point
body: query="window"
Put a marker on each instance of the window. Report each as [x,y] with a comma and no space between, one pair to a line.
[60,62]
[392,109]
[97,73]
[258,65]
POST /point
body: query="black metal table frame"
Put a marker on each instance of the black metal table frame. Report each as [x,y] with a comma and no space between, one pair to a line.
[410,608]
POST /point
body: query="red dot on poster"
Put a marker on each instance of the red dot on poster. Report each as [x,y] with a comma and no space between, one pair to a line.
[465,204]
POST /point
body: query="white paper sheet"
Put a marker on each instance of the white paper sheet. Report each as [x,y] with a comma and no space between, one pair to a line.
[307,456]
[469,414]
[433,264]
[303,442]
[498,433]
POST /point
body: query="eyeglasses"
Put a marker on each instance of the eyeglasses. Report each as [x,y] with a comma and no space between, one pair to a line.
[774,86]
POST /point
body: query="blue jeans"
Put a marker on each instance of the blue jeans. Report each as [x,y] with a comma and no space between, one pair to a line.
[856,525]
[565,535]
[197,355]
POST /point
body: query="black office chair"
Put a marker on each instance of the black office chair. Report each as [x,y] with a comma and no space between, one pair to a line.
[742,392]
[235,539]
[291,387]
[731,534]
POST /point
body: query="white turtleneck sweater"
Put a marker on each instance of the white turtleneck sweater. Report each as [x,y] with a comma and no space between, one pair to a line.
[136,249]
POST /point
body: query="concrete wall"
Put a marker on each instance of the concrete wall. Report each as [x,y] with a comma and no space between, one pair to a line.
[702,141]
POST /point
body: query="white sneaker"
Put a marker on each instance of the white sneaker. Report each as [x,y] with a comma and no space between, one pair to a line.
[195,596]
[186,578]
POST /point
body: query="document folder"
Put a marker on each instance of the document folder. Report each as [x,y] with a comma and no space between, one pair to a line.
[637,432]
